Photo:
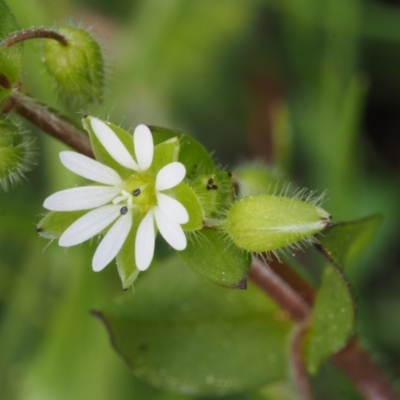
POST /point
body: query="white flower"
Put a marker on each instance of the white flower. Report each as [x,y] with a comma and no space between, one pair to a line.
[118,201]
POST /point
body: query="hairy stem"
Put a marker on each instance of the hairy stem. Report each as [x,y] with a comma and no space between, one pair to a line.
[37,33]
[51,122]
[365,374]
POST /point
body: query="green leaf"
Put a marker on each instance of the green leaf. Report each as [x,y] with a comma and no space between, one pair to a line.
[346,240]
[212,256]
[55,223]
[10,58]
[192,154]
[185,195]
[332,319]
[180,333]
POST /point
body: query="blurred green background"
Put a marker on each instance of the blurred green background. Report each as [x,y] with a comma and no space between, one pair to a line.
[310,86]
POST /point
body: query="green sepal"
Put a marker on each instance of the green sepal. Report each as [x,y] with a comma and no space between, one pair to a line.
[192,154]
[126,263]
[55,223]
[185,195]
[264,223]
[344,241]
[332,318]
[164,153]
[211,255]
[11,58]
[233,340]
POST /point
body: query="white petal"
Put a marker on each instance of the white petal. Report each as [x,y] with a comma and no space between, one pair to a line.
[144,243]
[144,146]
[89,225]
[170,230]
[112,144]
[170,175]
[80,198]
[89,168]
[112,242]
[173,208]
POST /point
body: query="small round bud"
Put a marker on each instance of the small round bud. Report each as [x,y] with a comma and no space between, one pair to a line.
[265,223]
[17,154]
[77,67]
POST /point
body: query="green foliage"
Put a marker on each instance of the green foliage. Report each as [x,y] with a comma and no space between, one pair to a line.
[333,318]
[10,58]
[233,341]
[210,254]
[344,241]
[334,310]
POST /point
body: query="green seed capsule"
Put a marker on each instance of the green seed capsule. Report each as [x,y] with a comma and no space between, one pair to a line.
[265,223]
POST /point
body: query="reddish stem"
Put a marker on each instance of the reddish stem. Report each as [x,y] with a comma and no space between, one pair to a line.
[51,122]
[37,33]
[352,359]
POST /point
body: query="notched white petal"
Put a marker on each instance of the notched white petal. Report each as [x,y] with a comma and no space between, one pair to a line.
[144,146]
[173,208]
[170,176]
[144,243]
[170,230]
[89,225]
[89,168]
[112,242]
[80,198]
[112,144]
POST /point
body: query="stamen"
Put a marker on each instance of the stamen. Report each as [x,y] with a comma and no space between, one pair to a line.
[123,210]
[136,192]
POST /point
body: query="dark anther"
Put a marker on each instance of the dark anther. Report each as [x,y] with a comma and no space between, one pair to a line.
[123,210]
[229,174]
[86,115]
[136,192]
[210,181]
[214,187]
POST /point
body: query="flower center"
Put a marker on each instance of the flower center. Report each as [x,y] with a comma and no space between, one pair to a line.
[138,191]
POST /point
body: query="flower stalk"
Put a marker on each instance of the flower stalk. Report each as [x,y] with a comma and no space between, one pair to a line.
[36,33]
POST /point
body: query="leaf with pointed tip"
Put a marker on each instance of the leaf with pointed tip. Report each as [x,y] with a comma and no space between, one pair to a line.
[180,333]
[211,256]
[346,240]
[332,319]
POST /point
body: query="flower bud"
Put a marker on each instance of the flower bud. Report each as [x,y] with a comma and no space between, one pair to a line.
[77,67]
[265,223]
[17,152]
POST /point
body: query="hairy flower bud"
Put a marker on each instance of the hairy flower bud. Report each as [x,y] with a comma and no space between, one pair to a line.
[266,223]
[17,152]
[77,67]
